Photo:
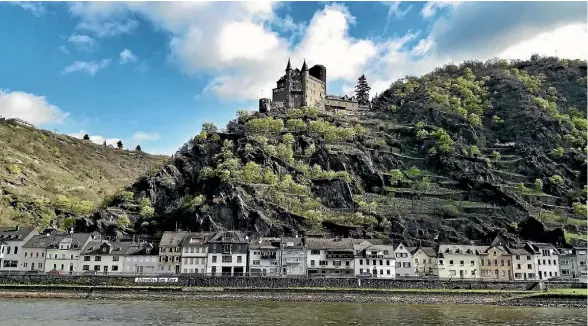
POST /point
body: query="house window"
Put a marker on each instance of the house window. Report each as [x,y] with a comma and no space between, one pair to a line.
[227,259]
[115,258]
[86,258]
[239,259]
[97,268]
[86,267]
[388,272]
[482,262]
[347,263]
[381,262]
[312,263]
[518,257]
[337,263]
[441,262]
[387,262]
[518,266]
[315,252]
[472,263]
[386,252]
[322,262]
[554,262]
[361,261]
[114,268]
[226,248]
[528,257]
[97,258]
[214,259]
[398,264]
[451,263]
[461,262]
[40,265]
[257,262]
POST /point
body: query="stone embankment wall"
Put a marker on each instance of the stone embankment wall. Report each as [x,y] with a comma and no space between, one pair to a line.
[271,282]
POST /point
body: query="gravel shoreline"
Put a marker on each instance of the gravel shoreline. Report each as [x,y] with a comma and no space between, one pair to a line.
[404,298]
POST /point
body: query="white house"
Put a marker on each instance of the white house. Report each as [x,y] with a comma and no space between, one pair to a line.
[35,250]
[170,252]
[141,259]
[524,262]
[264,257]
[403,255]
[227,254]
[194,253]
[105,257]
[293,256]
[63,253]
[374,260]
[331,257]
[11,241]
[459,261]
[547,258]
[582,270]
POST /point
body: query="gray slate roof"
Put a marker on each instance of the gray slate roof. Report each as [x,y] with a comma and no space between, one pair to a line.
[172,239]
[235,237]
[14,233]
[265,243]
[46,241]
[205,236]
[325,243]
[117,248]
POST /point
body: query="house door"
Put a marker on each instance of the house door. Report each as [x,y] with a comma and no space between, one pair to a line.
[375,272]
[177,269]
[70,268]
[105,269]
[496,273]
[540,276]
[461,274]
[32,266]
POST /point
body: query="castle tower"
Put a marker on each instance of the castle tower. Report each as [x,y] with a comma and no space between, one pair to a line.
[304,78]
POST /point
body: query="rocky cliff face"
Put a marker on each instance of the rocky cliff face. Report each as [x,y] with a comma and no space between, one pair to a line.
[460,154]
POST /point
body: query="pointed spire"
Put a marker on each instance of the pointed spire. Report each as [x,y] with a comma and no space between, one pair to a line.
[304,66]
[289,66]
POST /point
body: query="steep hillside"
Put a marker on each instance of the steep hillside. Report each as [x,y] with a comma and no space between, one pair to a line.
[460,154]
[45,176]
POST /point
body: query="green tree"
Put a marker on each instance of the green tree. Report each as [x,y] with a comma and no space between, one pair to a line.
[556,180]
[123,221]
[362,90]
[138,148]
[119,144]
[210,128]
[538,185]
[579,210]
[86,137]
[557,152]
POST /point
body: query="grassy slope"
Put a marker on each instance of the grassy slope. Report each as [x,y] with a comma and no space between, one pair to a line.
[44,176]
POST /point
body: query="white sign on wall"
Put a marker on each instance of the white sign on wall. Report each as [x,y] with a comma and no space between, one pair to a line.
[156,279]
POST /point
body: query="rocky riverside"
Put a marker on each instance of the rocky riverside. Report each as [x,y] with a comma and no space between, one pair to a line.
[308,295]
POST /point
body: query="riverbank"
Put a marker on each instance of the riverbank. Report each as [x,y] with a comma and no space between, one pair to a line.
[556,298]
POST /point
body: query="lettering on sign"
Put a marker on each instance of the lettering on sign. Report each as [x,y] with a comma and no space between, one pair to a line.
[156,279]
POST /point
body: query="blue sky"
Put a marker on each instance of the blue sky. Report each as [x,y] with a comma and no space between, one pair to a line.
[151,73]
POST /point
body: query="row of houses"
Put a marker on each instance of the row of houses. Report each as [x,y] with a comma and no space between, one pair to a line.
[232,253]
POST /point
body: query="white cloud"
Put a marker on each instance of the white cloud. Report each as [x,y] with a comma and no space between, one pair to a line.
[36,8]
[91,67]
[127,56]
[394,9]
[431,7]
[32,108]
[97,139]
[63,49]
[83,42]
[103,19]
[237,42]
[145,136]
[562,42]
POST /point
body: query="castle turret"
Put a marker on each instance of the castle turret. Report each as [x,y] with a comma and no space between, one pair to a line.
[289,66]
[304,78]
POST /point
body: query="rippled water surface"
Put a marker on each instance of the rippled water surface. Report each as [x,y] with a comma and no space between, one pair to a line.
[106,313]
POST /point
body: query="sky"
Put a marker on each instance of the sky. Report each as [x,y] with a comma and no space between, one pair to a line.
[150,73]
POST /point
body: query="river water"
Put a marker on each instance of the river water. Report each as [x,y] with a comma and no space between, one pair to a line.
[61,312]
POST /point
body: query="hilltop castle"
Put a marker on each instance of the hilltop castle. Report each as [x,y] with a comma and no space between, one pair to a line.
[307,87]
